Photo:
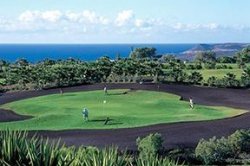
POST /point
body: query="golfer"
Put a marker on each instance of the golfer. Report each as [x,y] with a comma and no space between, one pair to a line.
[85,114]
[191,103]
[61,91]
[105,90]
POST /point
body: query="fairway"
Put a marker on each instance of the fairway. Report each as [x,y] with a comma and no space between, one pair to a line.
[125,108]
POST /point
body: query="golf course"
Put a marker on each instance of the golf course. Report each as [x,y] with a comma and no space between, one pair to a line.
[134,110]
[125,108]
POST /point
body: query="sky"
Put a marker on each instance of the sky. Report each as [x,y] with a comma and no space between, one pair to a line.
[124,21]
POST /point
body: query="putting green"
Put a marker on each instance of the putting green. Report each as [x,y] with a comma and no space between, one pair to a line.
[125,108]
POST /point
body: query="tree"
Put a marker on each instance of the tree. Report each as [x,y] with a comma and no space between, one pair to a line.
[213,151]
[103,66]
[226,59]
[230,80]
[243,57]
[212,81]
[22,62]
[208,58]
[145,52]
[169,58]
[195,77]
[245,78]
[176,72]
[150,145]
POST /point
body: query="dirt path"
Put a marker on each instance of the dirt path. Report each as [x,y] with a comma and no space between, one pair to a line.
[175,135]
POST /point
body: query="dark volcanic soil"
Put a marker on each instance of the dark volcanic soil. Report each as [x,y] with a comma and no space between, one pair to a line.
[185,134]
[9,116]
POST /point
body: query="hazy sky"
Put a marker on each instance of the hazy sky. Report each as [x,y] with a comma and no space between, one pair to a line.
[124,21]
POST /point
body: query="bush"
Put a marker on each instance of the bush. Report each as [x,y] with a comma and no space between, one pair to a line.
[221,66]
[195,78]
[230,80]
[234,150]
[213,151]
[212,81]
[209,65]
[196,66]
[150,145]
[16,148]
[240,141]
[152,161]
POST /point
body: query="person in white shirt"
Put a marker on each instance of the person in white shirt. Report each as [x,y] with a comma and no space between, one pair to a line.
[191,103]
[105,90]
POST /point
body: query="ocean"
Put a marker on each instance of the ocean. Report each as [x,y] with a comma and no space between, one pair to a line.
[87,52]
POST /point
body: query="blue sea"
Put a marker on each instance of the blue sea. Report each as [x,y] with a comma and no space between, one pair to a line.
[87,52]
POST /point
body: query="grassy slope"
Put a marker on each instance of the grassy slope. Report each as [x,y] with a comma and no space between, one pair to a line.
[136,108]
[220,73]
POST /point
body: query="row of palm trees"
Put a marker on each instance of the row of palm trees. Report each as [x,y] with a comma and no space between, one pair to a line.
[50,73]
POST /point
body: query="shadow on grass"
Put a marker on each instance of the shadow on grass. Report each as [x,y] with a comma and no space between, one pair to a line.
[105,122]
[100,120]
[122,93]
[68,95]
[113,94]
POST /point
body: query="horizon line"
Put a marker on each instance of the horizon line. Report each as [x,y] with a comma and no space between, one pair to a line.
[122,43]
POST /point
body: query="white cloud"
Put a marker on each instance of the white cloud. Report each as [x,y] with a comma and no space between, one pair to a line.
[89,24]
[90,16]
[86,17]
[124,17]
[31,16]
[51,16]
[139,22]
[193,27]
[72,16]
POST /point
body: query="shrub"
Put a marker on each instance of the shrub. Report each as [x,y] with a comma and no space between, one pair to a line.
[195,66]
[240,141]
[150,145]
[245,78]
[156,161]
[195,77]
[212,81]
[190,67]
[213,151]
[221,66]
[234,150]
[230,80]
[16,148]
[209,65]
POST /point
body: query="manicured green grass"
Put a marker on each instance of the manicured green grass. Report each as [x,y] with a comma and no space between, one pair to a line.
[133,109]
[220,73]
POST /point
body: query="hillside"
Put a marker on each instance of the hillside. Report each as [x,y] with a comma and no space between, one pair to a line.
[226,49]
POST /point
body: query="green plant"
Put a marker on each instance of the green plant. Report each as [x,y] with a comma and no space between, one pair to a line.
[17,148]
[150,145]
[231,150]
[212,81]
[156,161]
[195,77]
[240,141]
[213,151]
